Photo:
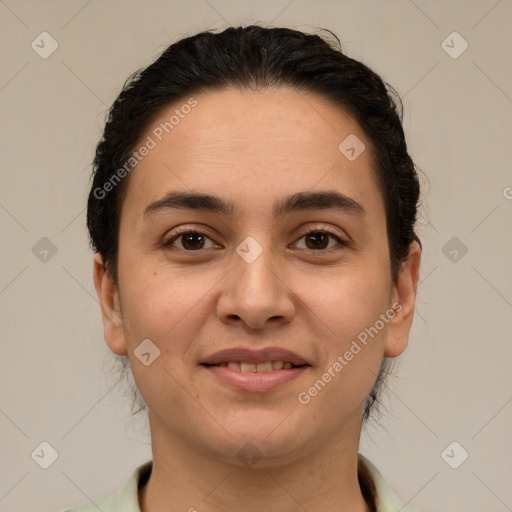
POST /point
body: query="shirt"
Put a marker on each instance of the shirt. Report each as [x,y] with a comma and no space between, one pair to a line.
[127,499]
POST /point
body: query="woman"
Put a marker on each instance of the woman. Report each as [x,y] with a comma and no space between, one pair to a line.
[252,214]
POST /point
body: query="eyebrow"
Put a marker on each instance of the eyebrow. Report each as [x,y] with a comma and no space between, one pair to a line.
[300,201]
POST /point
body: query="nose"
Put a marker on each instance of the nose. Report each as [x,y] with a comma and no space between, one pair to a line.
[256,293]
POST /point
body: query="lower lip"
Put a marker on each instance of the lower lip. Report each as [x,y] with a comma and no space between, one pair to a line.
[255,381]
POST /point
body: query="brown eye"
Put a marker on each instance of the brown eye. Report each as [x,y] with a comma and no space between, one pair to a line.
[319,240]
[190,240]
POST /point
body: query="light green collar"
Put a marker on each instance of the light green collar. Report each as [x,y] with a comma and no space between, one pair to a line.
[127,500]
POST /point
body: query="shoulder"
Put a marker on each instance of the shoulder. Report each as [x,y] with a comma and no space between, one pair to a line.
[107,504]
[387,500]
[126,499]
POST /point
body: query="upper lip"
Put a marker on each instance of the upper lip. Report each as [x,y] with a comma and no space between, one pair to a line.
[245,355]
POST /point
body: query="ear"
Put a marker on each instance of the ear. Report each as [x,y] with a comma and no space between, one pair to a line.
[110,308]
[404,296]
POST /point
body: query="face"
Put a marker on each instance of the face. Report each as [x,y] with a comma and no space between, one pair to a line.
[297,259]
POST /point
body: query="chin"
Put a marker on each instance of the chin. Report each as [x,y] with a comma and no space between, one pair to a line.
[260,454]
[259,444]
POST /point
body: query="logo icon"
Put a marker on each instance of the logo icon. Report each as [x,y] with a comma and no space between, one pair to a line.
[249,454]
[454,455]
[44,45]
[146,352]
[454,249]
[454,45]
[44,250]
[249,250]
[44,455]
[351,147]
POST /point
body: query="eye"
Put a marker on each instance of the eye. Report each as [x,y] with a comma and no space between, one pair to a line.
[193,240]
[318,239]
[190,240]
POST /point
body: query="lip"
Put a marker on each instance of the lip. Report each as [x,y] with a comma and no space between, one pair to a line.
[245,355]
[255,382]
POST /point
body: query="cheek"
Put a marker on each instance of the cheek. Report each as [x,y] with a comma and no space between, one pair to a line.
[349,301]
[169,305]
[159,307]
[352,344]
[167,311]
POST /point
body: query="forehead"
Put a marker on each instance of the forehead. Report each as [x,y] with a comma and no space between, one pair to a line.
[248,146]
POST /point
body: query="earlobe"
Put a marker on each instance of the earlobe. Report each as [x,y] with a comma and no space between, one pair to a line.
[404,294]
[108,296]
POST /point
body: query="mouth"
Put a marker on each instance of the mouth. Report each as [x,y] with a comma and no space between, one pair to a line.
[255,371]
[263,367]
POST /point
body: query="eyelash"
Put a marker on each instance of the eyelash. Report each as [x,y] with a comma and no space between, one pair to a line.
[166,244]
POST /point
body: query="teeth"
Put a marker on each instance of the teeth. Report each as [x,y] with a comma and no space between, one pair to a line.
[247,367]
[277,365]
[264,367]
[267,366]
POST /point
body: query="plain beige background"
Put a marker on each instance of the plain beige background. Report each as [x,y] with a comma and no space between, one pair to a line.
[452,384]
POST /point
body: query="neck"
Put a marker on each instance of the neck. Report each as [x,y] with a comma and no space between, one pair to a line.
[184,478]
